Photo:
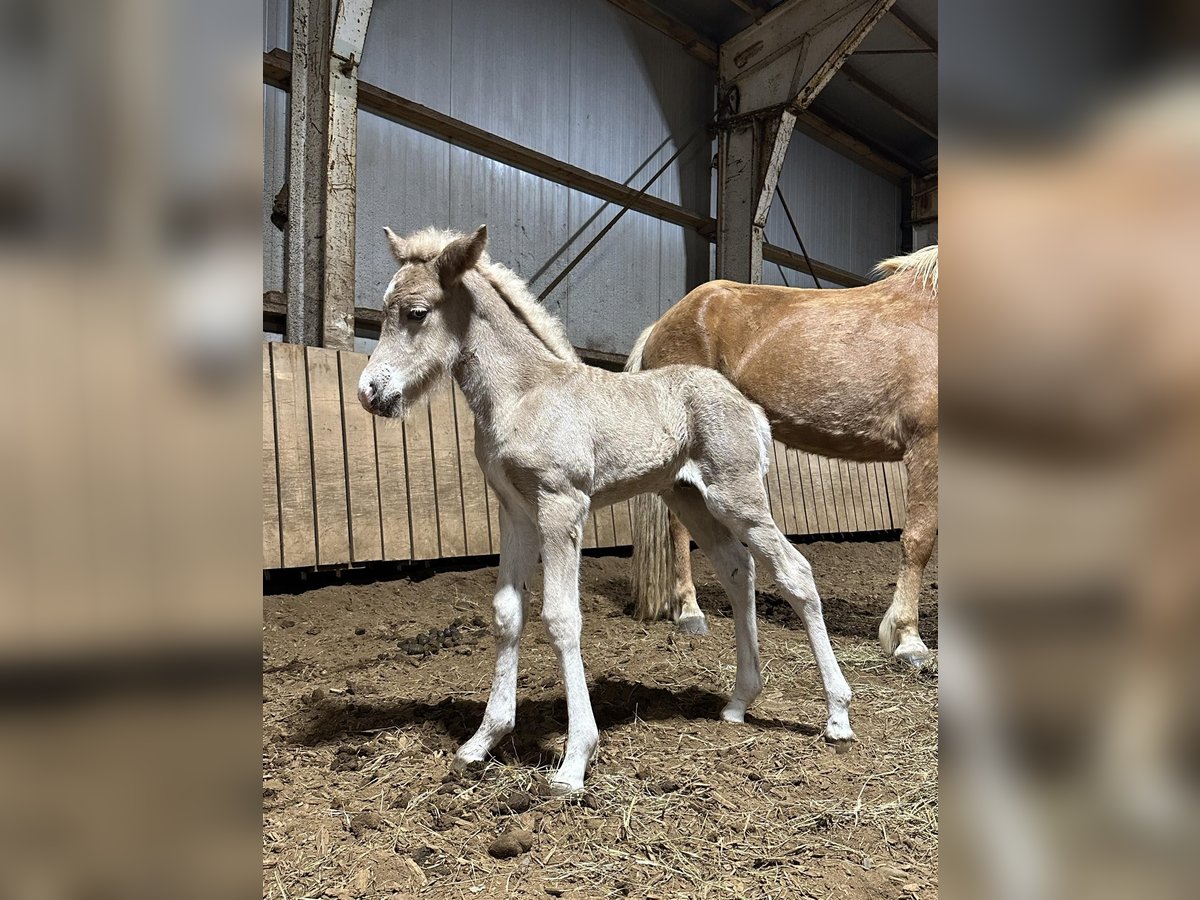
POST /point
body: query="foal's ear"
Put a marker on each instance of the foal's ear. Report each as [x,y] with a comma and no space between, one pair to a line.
[394,243]
[459,256]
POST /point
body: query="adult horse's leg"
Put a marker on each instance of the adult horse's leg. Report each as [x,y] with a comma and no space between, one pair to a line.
[741,505]
[898,630]
[735,568]
[560,520]
[518,556]
[688,617]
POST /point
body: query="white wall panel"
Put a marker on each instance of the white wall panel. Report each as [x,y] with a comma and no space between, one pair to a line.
[510,70]
[404,183]
[275,142]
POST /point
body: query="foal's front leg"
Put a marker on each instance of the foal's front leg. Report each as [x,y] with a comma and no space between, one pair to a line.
[560,520]
[518,556]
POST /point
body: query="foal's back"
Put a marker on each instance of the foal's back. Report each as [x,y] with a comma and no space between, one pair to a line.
[615,434]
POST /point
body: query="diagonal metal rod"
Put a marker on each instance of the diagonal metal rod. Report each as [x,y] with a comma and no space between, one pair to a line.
[796,231]
[613,221]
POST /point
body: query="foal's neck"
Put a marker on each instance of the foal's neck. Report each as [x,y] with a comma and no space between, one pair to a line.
[501,359]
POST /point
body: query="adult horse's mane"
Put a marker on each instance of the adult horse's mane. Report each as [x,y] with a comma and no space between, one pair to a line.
[426,244]
[922,265]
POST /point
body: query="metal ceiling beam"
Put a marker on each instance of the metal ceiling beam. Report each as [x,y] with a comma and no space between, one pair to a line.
[868,85]
[913,30]
[691,40]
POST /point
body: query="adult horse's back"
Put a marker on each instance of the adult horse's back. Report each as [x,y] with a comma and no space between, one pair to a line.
[848,373]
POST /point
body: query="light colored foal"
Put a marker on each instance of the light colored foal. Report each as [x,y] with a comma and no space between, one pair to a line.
[556,437]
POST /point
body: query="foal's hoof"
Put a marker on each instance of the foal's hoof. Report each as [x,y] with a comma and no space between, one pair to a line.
[692,625]
[466,764]
[564,788]
[839,732]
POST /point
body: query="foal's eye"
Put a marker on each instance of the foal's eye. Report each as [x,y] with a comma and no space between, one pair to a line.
[417,313]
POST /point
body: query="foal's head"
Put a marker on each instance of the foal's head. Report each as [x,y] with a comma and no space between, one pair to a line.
[422,332]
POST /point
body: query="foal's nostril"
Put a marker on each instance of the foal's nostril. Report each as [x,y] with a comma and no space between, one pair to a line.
[367,395]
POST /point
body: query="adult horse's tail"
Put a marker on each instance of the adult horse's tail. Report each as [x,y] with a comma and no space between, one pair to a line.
[653,575]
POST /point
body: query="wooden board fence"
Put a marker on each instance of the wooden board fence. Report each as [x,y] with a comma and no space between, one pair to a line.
[341,487]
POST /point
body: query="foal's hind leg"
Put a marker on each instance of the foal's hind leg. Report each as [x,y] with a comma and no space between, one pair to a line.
[741,504]
[688,617]
[518,556]
[898,630]
[735,569]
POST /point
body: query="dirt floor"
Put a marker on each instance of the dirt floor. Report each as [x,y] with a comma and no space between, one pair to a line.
[359,730]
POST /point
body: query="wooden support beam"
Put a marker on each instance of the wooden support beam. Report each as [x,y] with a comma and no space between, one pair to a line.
[828,134]
[913,30]
[756,8]
[307,161]
[277,72]
[406,112]
[349,33]
[888,99]
[691,40]
[769,73]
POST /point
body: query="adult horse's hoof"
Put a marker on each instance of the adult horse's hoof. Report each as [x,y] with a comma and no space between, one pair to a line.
[692,625]
[914,653]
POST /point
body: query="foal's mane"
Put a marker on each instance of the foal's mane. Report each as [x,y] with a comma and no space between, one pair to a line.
[426,244]
[922,265]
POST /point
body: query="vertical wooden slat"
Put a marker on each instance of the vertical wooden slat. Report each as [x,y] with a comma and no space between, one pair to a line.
[589,530]
[422,497]
[272,556]
[298,537]
[772,485]
[605,536]
[862,523]
[779,461]
[393,488]
[493,503]
[474,493]
[820,508]
[885,516]
[843,473]
[894,473]
[447,470]
[622,524]
[797,486]
[868,494]
[362,469]
[328,456]
[833,494]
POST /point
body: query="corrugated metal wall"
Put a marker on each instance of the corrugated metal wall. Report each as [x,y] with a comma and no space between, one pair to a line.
[588,84]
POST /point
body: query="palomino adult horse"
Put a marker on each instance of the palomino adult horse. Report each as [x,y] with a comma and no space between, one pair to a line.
[849,373]
[555,436]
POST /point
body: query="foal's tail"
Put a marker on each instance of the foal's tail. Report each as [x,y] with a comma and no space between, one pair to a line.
[653,575]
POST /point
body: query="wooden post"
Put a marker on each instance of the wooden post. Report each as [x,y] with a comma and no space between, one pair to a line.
[349,32]
[306,168]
